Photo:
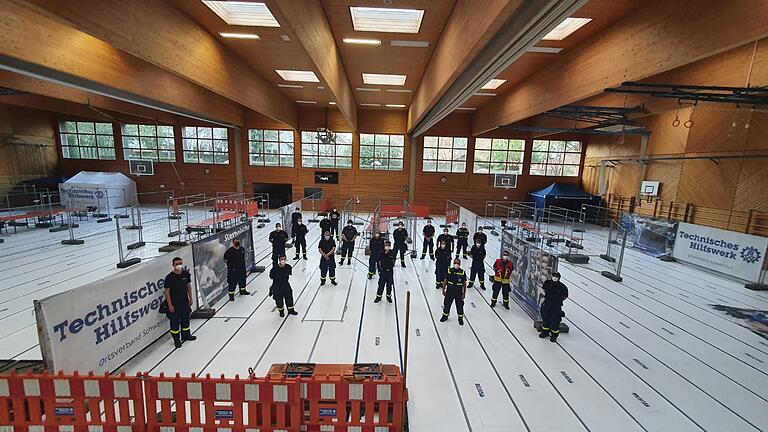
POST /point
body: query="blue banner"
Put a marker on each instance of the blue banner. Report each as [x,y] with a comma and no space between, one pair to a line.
[651,236]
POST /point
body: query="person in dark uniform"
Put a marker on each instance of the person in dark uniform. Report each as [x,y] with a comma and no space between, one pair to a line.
[334,217]
[480,235]
[348,236]
[327,248]
[300,234]
[278,238]
[446,238]
[401,235]
[325,224]
[478,264]
[502,270]
[377,248]
[386,265]
[295,216]
[281,289]
[442,264]
[429,240]
[555,292]
[235,259]
[462,239]
[454,290]
[178,298]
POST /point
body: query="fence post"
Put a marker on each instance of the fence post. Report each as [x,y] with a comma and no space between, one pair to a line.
[72,240]
[669,213]
[632,203]
[123,262]
[655,207]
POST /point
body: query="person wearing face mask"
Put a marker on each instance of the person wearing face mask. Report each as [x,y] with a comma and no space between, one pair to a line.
[480,235]
[300,233]
[334,217]
[327,248]
[178,298]
[401,236]
[325,224]
[377,248]
[348,236]
[429,235]
[278,238]
[446,238]
[441,265]
[555,293]
[386,266]
[462,239]
[235,259]
[502,269]
[295,216]
[478,267]
[454,290]
[281,288]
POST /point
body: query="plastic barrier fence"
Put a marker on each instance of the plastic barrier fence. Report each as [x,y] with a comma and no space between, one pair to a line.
[392,211]
[421,211]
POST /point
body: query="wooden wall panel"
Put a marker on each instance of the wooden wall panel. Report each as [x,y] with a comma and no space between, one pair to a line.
[708,184]
[719,130]
[751,189]
[668,174]
[666,139]
[27,146]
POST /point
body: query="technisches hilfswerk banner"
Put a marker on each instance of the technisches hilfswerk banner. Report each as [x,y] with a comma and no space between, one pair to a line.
[533,266]
[101,325]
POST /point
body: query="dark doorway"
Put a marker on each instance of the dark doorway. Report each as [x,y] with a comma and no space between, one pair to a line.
[279,194]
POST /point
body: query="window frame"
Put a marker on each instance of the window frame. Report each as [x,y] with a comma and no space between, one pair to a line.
[309,140]
[555,162]
[510,155]
[378,147]
[198,152]
[78,135]
[439,148]
[127,135]
[282,157]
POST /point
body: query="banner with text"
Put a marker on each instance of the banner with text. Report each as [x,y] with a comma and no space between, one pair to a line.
[533,266]
[210,268]
[651,236]
[729,252]
[101,325]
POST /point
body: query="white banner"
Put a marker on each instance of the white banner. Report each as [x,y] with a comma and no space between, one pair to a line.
[466,215]
[729,252]
[99,326]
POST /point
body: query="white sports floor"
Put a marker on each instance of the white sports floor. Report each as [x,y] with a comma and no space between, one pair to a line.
[648,354]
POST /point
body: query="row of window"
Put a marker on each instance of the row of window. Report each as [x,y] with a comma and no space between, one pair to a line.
[275,148]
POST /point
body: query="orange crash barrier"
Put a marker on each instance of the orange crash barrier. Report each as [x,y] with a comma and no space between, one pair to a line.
[392,211]
[251,209]
[226,204]
[451,216]
[420,210]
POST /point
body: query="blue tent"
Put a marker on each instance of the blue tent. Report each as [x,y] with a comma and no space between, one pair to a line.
[563,195]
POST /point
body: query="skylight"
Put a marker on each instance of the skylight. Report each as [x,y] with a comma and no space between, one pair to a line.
[493,84]
[383,79]
[297,75]
[566,28]
[243,13]
[386,20]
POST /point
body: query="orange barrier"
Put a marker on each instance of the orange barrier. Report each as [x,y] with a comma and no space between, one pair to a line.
[325,207]
[420,210]
[228,204]
[251,209]
[175,208]
[206,223]
[393,211]
[451,216]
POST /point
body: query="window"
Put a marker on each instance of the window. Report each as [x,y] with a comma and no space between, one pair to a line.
[445,154]
[149,142]
[268,147]
[317,155]
[381,152]
[498,156]
[556,158]
[87,140]
[206,145]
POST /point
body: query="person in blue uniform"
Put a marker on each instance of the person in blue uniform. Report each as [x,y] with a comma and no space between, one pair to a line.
[555,293]
[295,216]
[334,216]
[441,265]
[454,291]
[325,224]
[179,301]
[376,248]
[446,238]
[348,236]
[480,235]
[300,234]
[429,240]
[462,240]
[235,259]
[327,248]
[478,264]
[386,265]
[281,289]
[401,236]
[278,238]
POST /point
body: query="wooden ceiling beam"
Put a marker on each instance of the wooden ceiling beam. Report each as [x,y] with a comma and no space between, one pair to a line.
[310,26]
[657,38]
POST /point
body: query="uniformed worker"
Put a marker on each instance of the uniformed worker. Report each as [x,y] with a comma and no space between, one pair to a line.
[386,265]
[429,240]
[376,248]
[462,240]
[442,263]
[300,233]
[478,264]
[327,248]
[480,235]
[348,236]
[295,216]
[334,217]
[555,292]
[401,236]
[454,290]
[502,269]
[278,238]
[281,289]
[235,259]
[325,224]
[446,238]
[178,298]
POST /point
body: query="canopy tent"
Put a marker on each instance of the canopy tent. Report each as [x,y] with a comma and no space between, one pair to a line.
[104,190]
[563,195]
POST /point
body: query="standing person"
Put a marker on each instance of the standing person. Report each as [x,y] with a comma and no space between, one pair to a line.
[480,235]
[178,298]
[401,235]
[429,235]
[300,233]
[443,262]
[377,248]
[335,216]
[386,266]
[462,239]
[327,248]
[454,290]
[348,236]
[325,224]
[555,293]
[281,289]
[478,267]
[502,269]
[278,238]
[295,216]
[446,238]
[235,259]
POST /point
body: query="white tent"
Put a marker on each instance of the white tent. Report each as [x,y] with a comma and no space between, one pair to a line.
[104,190]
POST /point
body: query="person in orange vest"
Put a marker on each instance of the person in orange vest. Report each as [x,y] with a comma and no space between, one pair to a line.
[502,269]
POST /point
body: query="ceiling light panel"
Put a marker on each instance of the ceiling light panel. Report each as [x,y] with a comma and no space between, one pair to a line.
[395,106]
[370,104]
[294,86]
[383,79]
[366,89]
[331,103]
[398,91]
[357,41]
[465,109]
[493,84]
[409,44]
[544,50]
[297,75]
[566,28]
[485,94]
[306,102]
[239,35]
[243,13]
[386,20]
